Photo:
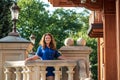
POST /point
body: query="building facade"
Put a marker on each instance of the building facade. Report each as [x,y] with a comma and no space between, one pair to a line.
[104,25]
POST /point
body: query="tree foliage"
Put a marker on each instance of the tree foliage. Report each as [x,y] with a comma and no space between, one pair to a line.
[35,19]
[5,17]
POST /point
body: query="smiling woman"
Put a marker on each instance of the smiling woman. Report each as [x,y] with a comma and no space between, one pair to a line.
[47,51]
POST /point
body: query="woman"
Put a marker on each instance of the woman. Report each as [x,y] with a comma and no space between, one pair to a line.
[47,51]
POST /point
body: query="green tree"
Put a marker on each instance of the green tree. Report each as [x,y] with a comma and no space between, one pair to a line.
[32,19]
[35,19]
[64,23]
[5,17]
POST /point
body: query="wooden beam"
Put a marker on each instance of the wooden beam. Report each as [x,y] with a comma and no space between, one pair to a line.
[110,47]
[118,35]
[109,29]
[109,7]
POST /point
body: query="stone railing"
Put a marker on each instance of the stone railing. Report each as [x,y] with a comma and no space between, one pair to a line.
[36,70]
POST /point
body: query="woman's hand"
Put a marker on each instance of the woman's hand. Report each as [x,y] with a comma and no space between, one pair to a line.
[27,59]
[62,58]
[32,58]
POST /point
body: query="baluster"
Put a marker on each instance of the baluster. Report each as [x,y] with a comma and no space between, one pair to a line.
[83,71]
[28,73]
[36,73]
[57,72]
[43,72]
[7,74]
[18,73]
[24,73]
[70,72]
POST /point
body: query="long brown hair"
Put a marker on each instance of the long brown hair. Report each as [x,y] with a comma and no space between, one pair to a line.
[52,43]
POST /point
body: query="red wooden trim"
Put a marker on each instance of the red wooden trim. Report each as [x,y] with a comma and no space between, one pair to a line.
[118,35]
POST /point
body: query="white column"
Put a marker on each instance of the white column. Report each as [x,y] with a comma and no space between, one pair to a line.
[24,73]
[29,73]
[36,74]
[57,72]
[70,72]
[18,73]
[7,74]
[43,72]
[83,72]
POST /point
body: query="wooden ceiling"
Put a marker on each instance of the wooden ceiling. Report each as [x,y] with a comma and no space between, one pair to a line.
[89,4]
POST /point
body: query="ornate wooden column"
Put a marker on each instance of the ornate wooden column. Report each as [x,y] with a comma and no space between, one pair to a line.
[118,35]
[109,29]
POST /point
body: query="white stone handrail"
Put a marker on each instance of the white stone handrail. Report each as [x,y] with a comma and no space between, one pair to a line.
[36,70]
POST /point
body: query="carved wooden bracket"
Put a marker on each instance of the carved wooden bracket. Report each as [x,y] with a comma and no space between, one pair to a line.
[95,24]
[95,30]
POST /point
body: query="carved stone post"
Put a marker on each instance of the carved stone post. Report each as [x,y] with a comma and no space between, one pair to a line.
[43,73]
[36,73]
[13,48]
[57,72]
[82,72]
[29,73]
[24,73]
[7,74]
[18,73]
[77,53]
[70,72]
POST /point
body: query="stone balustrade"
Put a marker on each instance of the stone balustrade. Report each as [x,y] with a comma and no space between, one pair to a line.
[36,70]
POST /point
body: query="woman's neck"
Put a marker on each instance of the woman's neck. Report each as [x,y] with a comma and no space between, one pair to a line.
[48,45]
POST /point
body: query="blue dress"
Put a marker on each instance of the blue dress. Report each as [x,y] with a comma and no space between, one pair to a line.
[48,54]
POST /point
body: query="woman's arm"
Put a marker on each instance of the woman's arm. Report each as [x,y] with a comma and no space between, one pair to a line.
[62,57]
[32,58]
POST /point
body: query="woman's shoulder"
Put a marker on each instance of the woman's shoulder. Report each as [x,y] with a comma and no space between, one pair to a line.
[40,47]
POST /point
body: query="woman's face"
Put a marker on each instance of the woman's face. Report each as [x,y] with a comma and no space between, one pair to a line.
[47,39]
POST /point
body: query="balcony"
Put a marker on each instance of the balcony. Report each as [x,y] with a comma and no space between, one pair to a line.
[36,70]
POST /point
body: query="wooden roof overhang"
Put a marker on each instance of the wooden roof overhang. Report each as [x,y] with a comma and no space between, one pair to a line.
[96,27]
[89,4]
[96,30]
